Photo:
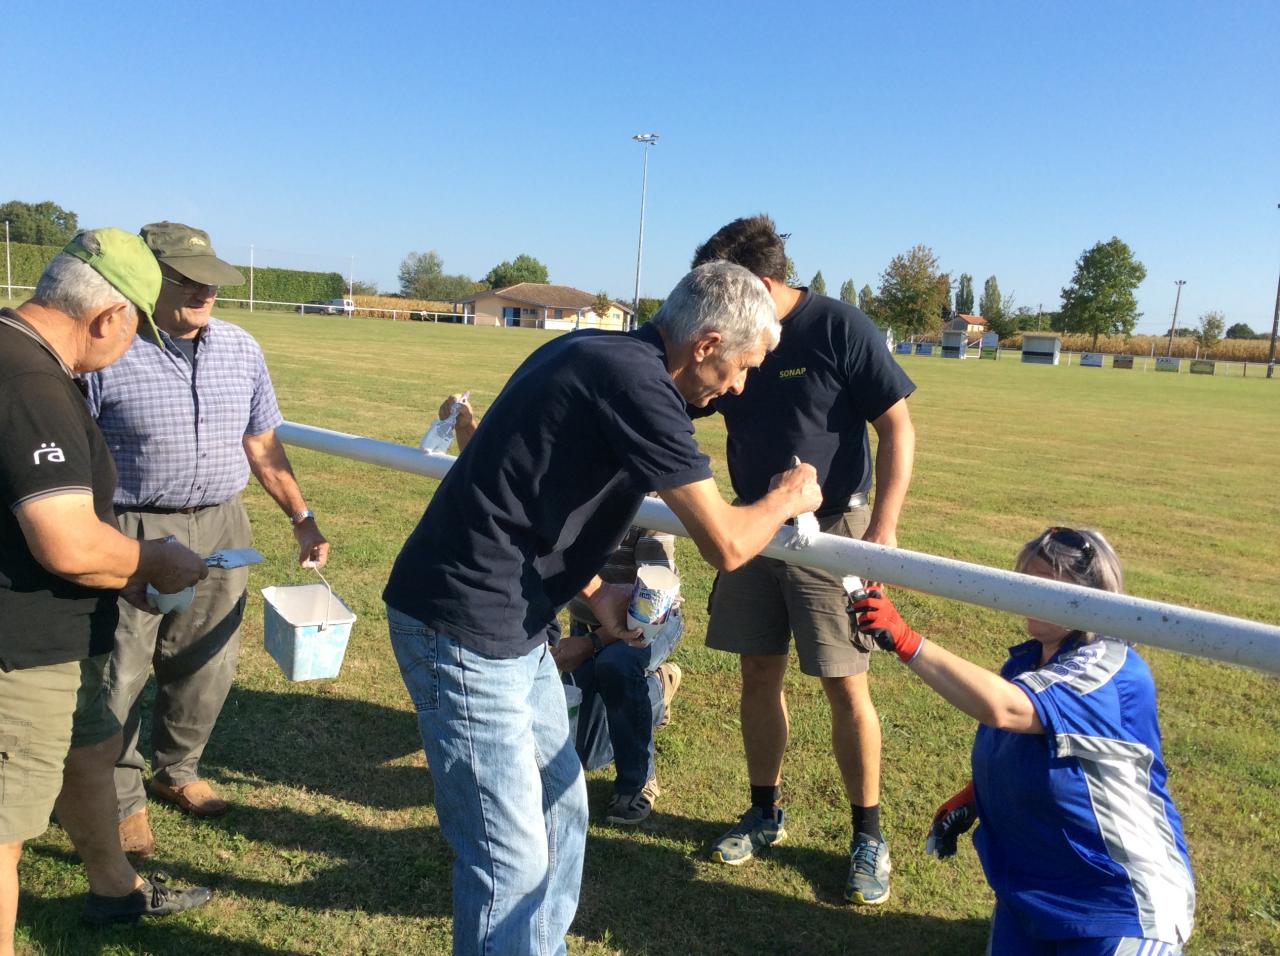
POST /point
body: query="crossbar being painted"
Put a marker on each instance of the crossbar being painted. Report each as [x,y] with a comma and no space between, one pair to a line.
[1186,630]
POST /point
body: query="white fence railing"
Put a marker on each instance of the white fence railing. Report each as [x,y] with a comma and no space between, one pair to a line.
[1186,630]
[357,311]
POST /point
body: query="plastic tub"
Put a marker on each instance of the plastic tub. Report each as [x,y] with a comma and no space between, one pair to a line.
[305,628]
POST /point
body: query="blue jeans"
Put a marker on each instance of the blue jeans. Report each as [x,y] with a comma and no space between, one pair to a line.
[621,705]
[509,789]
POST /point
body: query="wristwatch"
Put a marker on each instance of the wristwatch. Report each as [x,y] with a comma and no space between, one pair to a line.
[300,517]
[596,645]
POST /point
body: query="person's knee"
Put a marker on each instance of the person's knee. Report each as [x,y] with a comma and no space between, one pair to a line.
[93,758]
[850,695]
[763,674]
[10,853]
[616,670]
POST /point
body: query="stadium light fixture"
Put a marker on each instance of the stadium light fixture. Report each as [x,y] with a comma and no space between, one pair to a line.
[647,140]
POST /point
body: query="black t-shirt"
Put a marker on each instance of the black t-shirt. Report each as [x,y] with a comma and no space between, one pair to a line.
[49,445]
[546,489]
[813,396]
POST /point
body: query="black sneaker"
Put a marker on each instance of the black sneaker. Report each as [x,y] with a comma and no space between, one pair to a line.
[153,898]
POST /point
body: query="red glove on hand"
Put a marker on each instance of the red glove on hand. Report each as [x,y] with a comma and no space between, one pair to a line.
[879,620]
[952,819]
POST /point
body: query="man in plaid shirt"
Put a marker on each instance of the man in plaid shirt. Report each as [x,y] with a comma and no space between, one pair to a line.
[187,419]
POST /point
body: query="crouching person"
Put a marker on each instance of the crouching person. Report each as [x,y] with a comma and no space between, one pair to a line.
[625,691]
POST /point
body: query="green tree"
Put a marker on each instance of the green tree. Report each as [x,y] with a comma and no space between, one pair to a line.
[1209,333]
[360,287]
[1241,331]
[1100,299]
[793,277]
[867,300]
[818,285]
[849,292]
[523,268]
[422,276]
[990,305]
[913,292]
[964,295]
[602,304]
[41,223]
[647,309]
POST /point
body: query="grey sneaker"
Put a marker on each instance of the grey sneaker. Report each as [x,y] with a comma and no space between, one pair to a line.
[753,832]
[155,897]
[630,809]
[868,871]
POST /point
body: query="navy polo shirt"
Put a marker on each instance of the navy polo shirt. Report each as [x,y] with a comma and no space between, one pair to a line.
[546,489]
[813,396]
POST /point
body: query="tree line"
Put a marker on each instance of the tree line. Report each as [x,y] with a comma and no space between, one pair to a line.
[914,296]
[915,299]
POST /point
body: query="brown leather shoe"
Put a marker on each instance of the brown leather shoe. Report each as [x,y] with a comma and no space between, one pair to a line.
[135,835]
[197,798]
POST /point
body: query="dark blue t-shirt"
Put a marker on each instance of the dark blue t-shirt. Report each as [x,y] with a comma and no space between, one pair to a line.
[813,396]
[546,489]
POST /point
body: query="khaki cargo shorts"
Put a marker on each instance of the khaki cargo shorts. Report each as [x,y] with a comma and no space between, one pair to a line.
[44,713]
[757,608]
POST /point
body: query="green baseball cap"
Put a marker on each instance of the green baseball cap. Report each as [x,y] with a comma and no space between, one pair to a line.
[189,252]
[124,260]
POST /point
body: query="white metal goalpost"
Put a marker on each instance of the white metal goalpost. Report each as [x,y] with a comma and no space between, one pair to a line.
[1217,637]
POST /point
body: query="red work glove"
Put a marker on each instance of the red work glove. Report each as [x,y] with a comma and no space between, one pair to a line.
[879,620]
[952,819]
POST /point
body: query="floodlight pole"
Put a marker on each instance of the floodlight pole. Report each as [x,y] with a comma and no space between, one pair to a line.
[8,271]
[351,279]
[1178,298]
[251,277]
[1275,326]
[648,139]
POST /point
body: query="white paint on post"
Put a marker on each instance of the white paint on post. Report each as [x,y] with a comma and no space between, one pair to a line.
[1217,637]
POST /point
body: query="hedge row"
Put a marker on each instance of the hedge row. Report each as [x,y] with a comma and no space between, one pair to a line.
[27,261]
[275,285]
[287,285]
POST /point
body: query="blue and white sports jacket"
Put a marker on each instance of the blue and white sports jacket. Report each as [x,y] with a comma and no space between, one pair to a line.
[1078,835]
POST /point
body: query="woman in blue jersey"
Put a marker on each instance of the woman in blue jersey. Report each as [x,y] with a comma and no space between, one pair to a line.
[1078,835]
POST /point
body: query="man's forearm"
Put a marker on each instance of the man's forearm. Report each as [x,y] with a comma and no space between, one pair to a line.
[727,535]
[895,457]
[270,465]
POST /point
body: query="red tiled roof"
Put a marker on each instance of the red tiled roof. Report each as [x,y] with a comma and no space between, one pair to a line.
[545,296]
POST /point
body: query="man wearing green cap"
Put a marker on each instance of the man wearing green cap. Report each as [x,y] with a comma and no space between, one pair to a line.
[188,415]
[62,565]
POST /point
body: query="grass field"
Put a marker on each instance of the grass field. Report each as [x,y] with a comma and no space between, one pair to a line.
[333,847]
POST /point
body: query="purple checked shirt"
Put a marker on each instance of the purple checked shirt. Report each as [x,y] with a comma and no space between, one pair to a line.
[175,430]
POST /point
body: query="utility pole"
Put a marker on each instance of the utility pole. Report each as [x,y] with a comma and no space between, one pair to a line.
[1178,298]
[251,277]
[1275,326]
[8,271]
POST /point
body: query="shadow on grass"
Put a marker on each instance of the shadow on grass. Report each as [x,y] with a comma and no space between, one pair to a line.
[646,898]
[54,925]
[321,743]
[651,893]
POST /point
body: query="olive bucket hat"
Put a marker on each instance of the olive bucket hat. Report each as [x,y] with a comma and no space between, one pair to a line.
[189,252]
[125,261]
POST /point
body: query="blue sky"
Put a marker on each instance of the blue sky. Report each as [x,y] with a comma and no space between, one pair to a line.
[1009,137]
